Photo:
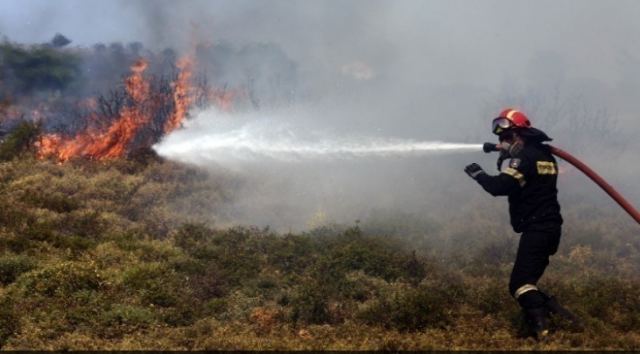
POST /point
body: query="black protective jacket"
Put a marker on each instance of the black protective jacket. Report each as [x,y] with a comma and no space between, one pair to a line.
[530,182]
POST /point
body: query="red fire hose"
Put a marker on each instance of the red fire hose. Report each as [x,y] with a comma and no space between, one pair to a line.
[598,180]
[489,147]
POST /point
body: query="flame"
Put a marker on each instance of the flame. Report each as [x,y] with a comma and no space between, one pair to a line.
[144,106]
[223,99]
[113,142]
[182,99]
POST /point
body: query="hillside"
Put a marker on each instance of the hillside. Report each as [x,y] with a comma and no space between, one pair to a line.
[120,255]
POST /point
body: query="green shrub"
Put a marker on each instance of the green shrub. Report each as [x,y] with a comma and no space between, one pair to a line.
[310,305]
[85,223]
[293,254]
[52,200]
[369,256]
[18,141]
[75,245]
[182,315]
[410,309]
[375,256]
[11,266]
[38,229]
[491,297]
[614,301]
[191,237]
[128,315]
[9,320]
[62,279]
[215,306]
[155,283]
[237,253]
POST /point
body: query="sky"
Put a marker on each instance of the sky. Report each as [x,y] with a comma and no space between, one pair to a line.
[438,69]
[453,41]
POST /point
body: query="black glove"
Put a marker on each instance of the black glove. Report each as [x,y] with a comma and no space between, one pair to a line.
[489,147]
[474,170]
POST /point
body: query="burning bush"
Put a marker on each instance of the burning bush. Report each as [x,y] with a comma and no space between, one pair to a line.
[109,101]
[140,108]
[153,100]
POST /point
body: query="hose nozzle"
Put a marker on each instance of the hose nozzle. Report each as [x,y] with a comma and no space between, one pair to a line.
[490,147]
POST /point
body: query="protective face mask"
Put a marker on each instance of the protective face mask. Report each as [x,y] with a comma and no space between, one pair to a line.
[511,149]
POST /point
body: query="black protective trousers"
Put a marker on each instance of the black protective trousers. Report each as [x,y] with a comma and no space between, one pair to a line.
[537,243]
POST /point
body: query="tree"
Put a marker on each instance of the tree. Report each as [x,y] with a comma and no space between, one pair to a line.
[60,41]
[28,69]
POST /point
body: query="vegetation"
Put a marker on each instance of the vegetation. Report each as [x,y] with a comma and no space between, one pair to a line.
[121,255]
[40,67]
[136,253]
[19,141]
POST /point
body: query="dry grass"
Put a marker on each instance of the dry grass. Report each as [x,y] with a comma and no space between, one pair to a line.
[120,255]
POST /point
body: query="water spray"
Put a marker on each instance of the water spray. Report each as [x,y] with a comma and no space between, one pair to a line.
[292,151]
[268,140]
[614,194]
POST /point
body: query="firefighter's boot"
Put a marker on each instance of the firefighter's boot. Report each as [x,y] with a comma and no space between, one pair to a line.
[538,321]
[554,307]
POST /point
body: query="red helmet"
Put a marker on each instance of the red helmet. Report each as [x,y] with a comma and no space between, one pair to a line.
[509,119]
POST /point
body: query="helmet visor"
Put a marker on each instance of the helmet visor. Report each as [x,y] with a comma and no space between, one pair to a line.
[500,124]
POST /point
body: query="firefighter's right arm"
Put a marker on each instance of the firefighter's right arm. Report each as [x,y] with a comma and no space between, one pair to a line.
[502,184]
[507,182]
[510,180]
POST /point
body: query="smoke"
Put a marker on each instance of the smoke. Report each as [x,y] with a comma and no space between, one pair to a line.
[297,173]
[341,76]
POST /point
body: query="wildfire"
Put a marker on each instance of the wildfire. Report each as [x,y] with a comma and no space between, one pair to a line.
[181,95]
[149,112]
[223,99]
[114,141]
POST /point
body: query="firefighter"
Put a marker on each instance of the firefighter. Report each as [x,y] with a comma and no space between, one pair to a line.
[529,181]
